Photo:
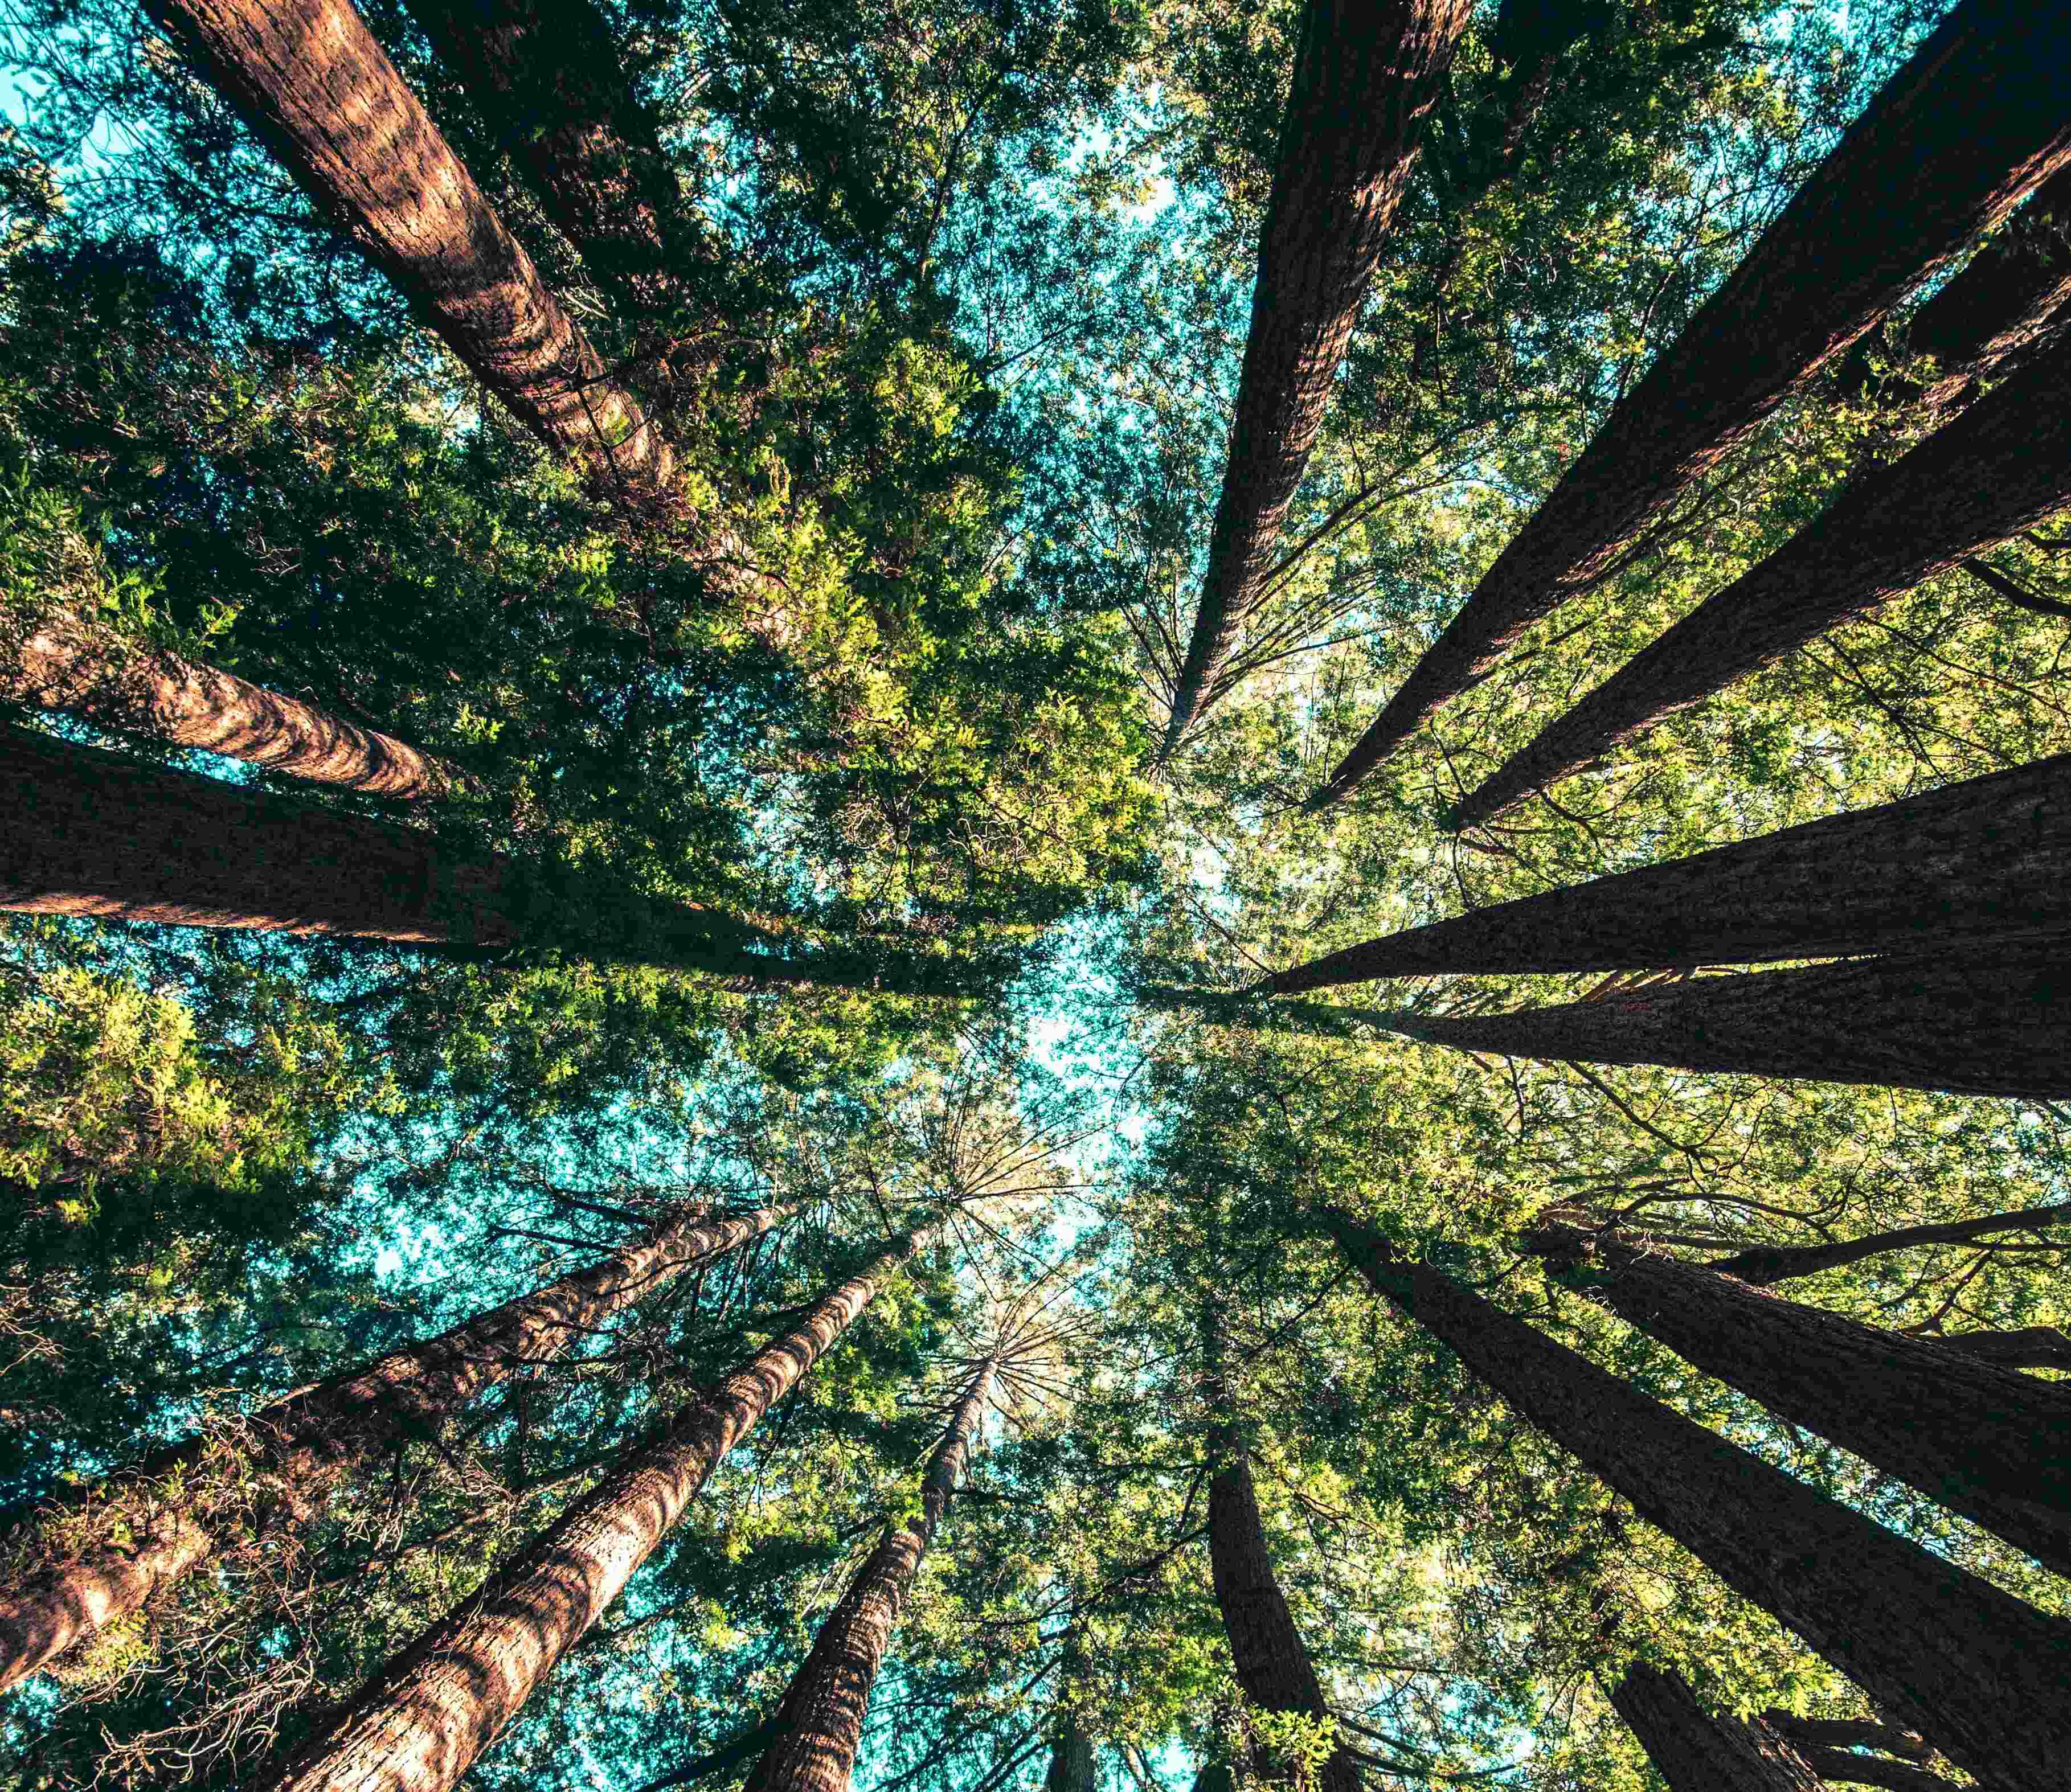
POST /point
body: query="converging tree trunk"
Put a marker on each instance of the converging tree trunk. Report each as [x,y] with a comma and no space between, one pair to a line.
[1366,73]
[1990,1020]
[819,1724]
[1829,1745]
[1978,1673]
[308,76]
[2000,468]
[290,1454]
[1986,860]
[1759,1265]
[1696,1750]
[1987,1442]
[420,1724]
[1958,137]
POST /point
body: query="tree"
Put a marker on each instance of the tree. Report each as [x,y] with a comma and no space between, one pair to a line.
[1761,1264]
[1699,1751]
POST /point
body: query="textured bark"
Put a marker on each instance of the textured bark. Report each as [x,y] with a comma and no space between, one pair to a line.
[819,1724]
[1761,1264]
[1366,73]
[2000,468]
[1976,1672]
[296,1449]
[2023,1347]
[1847,1733]
[1988,859]
[1958,137]
[309,78]
[1697,1750]
[1990,1020]
[1989,1442]
[88,673]
[419,1724]
[1843,1766]
[1073,1765]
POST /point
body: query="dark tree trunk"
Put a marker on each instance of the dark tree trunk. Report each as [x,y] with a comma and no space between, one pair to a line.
[2024,1347]
[1761,1264]
[1962,133]
[1989,1442]
[1697,1750]
[1847,1733]
[819,1724]
[1844,1767]
[1990,1020]
[292,1453]
[309,78]
[2000,468]
[421,1723]
[1986,859]
[1980,1674]
[1073,1766]
[1366,73]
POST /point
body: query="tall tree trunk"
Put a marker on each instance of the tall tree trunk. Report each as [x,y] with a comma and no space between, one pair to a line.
[1696,1750]
[1986,860]
[2000,468]
[1989,1442]
[1980,1674]
[819,1724]
[87,833]
[1366,73]
[1958,137]
[87,672]
[1989,1020]
[1073,1765]
[291,1454]
[419,1724]
[309,78]
[1759,1265]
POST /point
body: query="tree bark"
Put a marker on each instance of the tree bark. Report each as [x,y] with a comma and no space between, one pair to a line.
[421,1723]
[1976,1672]
[1989,1442]
[1366,73]
[1957,138]
[1073,1765]
[298,1448]
[86,671]
[309,78]
[1843,1766]
[2000,468]
[2023,1347]
[1697,1750]
[1847,1733]
[1759,1265]
[819,1724]
[1990,1021]
[1986,859]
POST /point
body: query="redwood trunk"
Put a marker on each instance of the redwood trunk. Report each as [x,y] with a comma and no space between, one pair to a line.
[1980,1674]
[309,78]
[1986,859]
[1994,1020]
[1696,1750]
[420,1724]
[2000,468]
[1989,1442]
[1962,132]
[298,1447]
[1761,1264]
[819,1724]
[1366,73]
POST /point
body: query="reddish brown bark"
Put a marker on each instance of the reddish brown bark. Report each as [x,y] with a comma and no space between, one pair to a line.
[1366,73]
[1976,1672]
[1973,122]
[309,78]
[420,1724]
[2000,468]
[1697,1750]
[819,1724]
[1988,859]
[292,1453]
[1761,1264]
[1990,1020]
[1989,1442]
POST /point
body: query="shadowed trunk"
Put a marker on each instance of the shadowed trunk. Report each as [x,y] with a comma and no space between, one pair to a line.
[2000,468]
[1988,859]
[1987,1442]
[1958,137]
[1843,1766]
[309,78]
[1763,1264]
[420,1724]
[1366,73]
[819,1724]
[2023,1347]
[1847,1733]
[1976,1672]
[1992,1020]
[1073,1766]
[290,1454]
[1696,1750]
